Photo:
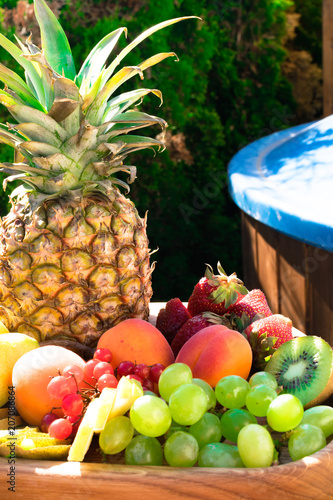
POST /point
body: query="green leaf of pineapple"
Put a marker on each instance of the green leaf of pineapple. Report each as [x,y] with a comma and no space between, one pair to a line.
[32,73]
[97,108]
[93,65]
[130,143]
[15,83]
[27,114]
[54,41]
[109,71]
[122,102]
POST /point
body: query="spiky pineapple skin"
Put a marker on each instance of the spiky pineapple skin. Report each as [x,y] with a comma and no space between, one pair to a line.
[72,268]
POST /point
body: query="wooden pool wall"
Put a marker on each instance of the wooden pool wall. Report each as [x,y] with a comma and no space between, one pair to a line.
[297,278]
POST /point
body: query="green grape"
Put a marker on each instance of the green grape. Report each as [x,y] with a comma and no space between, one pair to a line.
[321,416]
[285,413]
[207,430]
[116,435]
[259,398]
[263,378]
[173,377]
[305,440]
[181,450]
[232,421]
[144,450]
[231,391]
[255,446]
[208,390]
[188,404]
[150,416]
[219,455]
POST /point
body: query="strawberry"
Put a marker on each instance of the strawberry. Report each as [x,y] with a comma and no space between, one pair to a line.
[266,335]
[249,308]
[215,293]
[194,325]
[171,318]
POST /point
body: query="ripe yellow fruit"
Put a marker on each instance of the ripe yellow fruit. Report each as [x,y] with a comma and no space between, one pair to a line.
[12,347]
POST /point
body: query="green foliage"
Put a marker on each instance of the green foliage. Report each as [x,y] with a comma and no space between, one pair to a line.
[309,31]
[226,90]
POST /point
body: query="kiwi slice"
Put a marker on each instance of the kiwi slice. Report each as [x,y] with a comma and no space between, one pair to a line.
[303,366]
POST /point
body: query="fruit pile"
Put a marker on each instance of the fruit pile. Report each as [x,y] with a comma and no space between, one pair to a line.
[239,423]
[220,382]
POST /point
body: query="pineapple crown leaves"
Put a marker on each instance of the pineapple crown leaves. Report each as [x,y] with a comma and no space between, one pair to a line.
[72,129]
[226,288]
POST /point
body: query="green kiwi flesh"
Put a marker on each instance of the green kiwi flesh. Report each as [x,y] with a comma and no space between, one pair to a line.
[303,366]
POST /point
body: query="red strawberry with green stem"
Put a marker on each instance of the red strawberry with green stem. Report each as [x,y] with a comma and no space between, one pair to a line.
[215,293]
[266,335]
[249,308]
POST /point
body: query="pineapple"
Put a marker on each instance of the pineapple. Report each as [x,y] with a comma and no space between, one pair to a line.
[74,255]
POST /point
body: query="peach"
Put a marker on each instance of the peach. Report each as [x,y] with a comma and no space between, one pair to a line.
[31,375]
[216,351]
[138,341]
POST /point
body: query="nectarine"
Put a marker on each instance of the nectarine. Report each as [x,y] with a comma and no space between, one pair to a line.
[31,375]
[138,341]
[216,351]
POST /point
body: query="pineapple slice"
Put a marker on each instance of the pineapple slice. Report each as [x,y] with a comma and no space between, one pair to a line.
[84,433]
[111,403]
[128,390]
[106,402]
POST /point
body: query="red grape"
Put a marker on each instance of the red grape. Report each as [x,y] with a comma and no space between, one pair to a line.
[155,372]
[103,354]
[74,419]
[58,387]
[148,384]
[72,385]
[132,375]
[72,405]
[60,428]
[125,368]
[102,368]
[47,420]
[141,370]
[88,371]
[107,380]
[72,370]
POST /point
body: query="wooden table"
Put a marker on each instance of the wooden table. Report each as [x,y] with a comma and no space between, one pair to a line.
[310,478]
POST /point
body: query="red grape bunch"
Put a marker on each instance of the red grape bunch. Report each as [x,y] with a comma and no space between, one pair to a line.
[76,387]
